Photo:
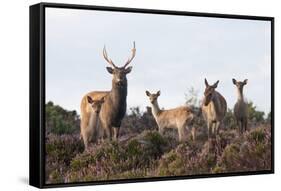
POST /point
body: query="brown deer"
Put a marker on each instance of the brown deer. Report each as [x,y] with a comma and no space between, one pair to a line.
[241,108]
[89,130]
[178,118]
[213,109]
[115,100]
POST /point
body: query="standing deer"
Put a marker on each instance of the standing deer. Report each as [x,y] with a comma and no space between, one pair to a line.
[241,108]
[178,118]
[115,101]
[213,108]
[89,130]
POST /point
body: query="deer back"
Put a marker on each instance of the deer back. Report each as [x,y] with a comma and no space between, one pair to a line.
[173,118]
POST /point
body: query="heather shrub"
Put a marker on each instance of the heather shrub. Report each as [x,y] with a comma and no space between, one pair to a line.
[59,152]
[229,152]
[252,152]
[142,152]
[171,164]
[113,160]
[179,161]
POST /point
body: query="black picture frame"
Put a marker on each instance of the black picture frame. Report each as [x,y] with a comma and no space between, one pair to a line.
[37,92]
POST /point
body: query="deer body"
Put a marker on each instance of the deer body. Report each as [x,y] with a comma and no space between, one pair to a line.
[90,122]
[113,110]
[241,108]
[213,108]
[178,118]
[114,107]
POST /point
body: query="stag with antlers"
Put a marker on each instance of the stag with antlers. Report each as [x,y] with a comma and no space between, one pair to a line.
[115,101]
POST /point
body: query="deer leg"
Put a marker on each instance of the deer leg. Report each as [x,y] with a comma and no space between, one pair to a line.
[246,124]
[83,127]
[181,133]
[86,137]
[85,140]
[107,133]
[193,133]
[241,126]
[116,132]
[110,133]
[100,135]
[213,129]
[96,134]
[210,137]
[161,130]
[217,128]
[104,130]
[209,130]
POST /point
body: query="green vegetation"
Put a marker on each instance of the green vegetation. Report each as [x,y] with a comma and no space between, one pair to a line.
[60,121]
[255,115]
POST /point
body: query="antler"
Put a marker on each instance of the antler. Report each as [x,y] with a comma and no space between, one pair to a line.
[107,59]
[133,55]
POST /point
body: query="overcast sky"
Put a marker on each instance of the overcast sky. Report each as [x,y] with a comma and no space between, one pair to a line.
[173,54]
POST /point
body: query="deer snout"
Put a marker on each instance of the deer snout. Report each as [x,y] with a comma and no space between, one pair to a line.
[119,82]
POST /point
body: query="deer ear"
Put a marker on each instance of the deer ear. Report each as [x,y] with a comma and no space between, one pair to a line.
[128,70]
[158,93]
[147,93]
[90,100]
[216,84]
[233,81]
[245,81]
[206,82]
[110,70]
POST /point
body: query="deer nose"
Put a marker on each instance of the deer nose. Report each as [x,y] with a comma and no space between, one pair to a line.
[119,81]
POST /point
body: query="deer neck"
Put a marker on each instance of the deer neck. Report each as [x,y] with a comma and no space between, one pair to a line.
[240,95]
[93,119]
[155,108]
[119,93]
[216,102]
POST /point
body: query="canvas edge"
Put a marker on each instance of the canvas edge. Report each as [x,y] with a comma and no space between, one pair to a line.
[35,96]
[37,87]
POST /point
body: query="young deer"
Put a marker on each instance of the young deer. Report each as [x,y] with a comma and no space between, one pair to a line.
[115,103]
[240,108]
[177,118]
[90,130]
[213,108]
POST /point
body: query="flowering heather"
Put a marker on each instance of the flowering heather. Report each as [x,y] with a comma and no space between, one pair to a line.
[151,154]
